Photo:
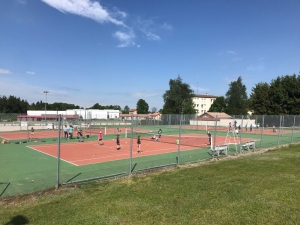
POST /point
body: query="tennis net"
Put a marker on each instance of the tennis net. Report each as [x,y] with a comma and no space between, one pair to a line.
[94,130]
[189,140]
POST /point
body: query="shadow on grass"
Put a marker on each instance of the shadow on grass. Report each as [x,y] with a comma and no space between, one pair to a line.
[18,220]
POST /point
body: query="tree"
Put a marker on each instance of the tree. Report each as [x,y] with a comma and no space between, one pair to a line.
[13,104]
[219,105]
[142,107]
[126,110]
[236,98]
[259,100]
[281,96]
[153,110]
[179,99]
[100,107]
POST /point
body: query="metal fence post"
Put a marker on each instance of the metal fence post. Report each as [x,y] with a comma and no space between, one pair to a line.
[27,128]
[215,135]
[179,138]
[262,131]
[241,134]
[279,130]
[58,153]
[131,134]
[293,129]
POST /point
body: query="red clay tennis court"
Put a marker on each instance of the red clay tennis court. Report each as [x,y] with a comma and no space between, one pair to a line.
[84,153]
[25,134]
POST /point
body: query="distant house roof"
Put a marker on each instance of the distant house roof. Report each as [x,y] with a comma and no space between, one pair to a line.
[141,115]
[155,114]
[49,116]
[206,96]
[210,116]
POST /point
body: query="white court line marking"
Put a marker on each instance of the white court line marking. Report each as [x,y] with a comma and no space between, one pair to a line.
[127,154]
[4,138]
[50,155]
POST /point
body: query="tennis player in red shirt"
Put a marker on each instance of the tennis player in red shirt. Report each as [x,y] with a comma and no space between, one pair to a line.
[100,137]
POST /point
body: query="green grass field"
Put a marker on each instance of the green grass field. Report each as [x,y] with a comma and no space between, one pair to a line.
[253,189]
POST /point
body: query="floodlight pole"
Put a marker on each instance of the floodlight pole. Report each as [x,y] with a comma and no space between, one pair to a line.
[46,92]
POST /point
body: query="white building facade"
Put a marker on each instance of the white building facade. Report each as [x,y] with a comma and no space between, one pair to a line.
[202,103]
[83,113]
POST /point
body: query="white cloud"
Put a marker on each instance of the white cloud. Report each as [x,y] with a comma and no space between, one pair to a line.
[166,26]
[22,2]
[255,68]
[147,27]
[86,8]
[118,14]
[29,72]
[143,95]
[151,36]
[231,52]
[229,79]
[33,93]
[126,39]
[4,71]
[237,59]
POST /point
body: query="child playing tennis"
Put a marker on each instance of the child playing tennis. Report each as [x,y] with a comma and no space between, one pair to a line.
[139,144]
[100,137]
[31,134]
[118,142]
[209,137]
[159,133]
[79,135]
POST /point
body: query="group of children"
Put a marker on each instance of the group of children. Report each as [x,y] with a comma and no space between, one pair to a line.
[118,147]
[68,133]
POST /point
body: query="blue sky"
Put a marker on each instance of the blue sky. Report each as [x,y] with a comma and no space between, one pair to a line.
[116,52]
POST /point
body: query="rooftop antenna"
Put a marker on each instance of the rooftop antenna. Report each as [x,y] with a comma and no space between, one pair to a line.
[197,84]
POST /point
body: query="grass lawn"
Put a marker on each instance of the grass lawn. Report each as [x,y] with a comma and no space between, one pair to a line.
[254,189]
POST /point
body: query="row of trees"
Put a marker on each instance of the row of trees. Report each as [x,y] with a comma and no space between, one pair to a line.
[281,96]
[13,104]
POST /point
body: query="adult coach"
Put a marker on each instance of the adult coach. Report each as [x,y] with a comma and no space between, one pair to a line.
[66,132]
[71,132]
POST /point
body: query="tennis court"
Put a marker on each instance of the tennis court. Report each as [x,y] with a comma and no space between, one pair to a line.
[85,160]
[84,153]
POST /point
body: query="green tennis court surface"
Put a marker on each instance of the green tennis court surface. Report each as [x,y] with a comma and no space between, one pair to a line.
[23,170]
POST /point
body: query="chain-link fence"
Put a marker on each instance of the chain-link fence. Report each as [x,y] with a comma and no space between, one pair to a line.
[103,148]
